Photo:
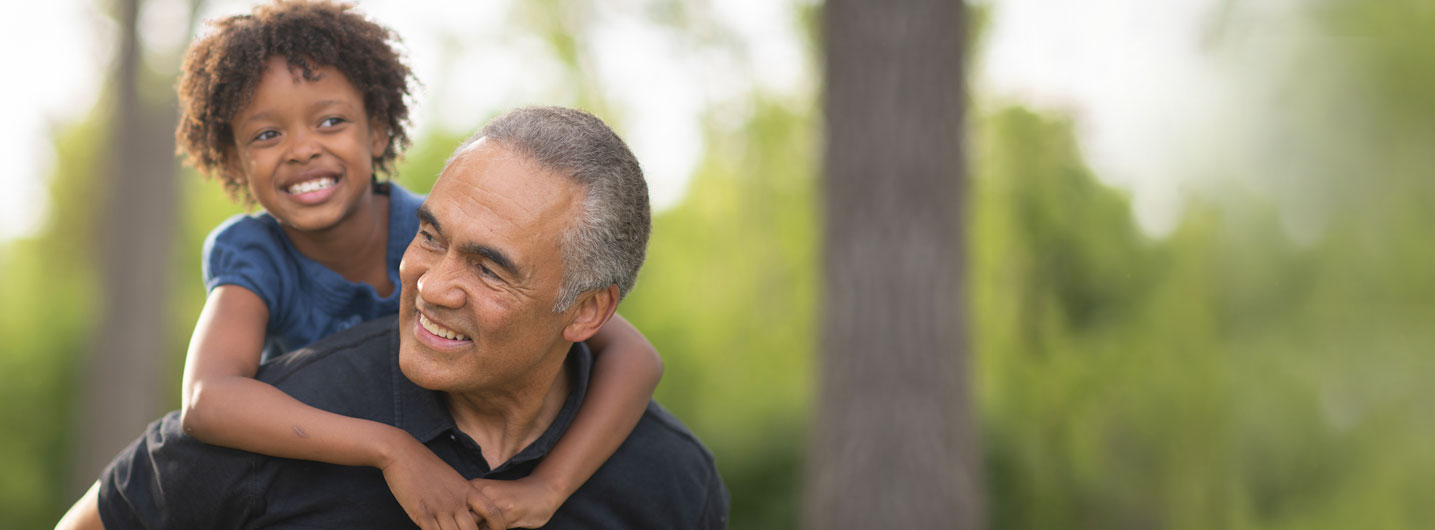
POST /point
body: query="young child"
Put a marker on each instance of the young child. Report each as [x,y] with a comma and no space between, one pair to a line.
[294,106]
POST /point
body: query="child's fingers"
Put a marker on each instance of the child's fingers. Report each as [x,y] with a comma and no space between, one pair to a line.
[447,521]
[466,521]
[484,509]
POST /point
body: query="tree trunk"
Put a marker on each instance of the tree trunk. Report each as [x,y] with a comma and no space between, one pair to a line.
[895,444]
[120,389]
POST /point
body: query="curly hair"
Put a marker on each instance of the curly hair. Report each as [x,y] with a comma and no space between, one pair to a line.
[222,69]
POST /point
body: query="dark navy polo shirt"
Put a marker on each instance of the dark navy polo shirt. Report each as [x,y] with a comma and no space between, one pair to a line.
[661,476]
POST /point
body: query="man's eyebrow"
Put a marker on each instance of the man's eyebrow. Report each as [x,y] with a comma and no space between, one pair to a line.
[426,216]
[491,254]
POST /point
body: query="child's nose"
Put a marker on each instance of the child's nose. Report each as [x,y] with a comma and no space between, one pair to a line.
[304,147]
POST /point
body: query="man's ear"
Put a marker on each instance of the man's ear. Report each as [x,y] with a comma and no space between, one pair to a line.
[590,311]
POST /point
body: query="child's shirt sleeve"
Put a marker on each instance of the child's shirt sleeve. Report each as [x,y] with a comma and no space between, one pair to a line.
[249,251]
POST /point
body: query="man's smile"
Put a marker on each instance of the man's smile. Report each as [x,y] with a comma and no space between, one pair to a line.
[438,331]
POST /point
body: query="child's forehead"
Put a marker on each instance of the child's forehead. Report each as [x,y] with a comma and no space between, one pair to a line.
[285,71]
[281,76]
[296,68]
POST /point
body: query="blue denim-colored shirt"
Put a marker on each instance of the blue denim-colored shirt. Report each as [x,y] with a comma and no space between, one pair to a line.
[660,477]
[306,300]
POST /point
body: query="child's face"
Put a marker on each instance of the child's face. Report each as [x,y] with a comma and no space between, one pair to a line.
[306,147]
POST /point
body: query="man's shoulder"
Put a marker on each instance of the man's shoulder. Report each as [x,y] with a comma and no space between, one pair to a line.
[345,372]
[661,477]
[168,479]
[663,441]
[659,429]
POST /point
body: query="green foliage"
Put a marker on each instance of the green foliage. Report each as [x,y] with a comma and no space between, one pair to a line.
[48,286]
[1227,375]
[727,296]
[1222,377]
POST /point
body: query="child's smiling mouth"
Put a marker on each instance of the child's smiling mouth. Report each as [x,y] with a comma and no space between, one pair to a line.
[311,185]
[314,188]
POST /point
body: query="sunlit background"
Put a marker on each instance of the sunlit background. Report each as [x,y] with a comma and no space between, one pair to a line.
[1201,270]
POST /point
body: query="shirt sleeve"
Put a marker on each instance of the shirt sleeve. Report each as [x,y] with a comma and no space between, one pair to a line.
[247,252]
[715,509]
[166,479]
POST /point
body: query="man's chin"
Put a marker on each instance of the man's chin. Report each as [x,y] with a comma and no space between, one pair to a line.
[416,368]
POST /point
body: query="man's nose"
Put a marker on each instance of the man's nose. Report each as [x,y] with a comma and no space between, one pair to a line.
[441,284]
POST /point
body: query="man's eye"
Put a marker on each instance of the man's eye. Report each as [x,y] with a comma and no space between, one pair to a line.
[428,239]
[483,269]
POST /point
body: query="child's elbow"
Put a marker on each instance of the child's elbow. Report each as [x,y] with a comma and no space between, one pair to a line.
[194,416]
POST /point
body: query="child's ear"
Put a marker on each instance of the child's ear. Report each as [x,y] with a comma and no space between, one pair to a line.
[229,167]
[380,136]
[589,312]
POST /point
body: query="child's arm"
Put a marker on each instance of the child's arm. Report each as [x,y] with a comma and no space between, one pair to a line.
[225,405]
[626,370]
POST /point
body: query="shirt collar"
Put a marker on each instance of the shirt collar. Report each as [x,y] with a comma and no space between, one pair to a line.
[424,415]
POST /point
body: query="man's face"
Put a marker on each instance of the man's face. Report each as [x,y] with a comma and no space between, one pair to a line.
[481,277]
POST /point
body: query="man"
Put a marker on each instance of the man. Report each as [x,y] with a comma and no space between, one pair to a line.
[533,232]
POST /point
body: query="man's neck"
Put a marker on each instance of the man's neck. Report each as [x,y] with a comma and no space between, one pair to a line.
[504,421]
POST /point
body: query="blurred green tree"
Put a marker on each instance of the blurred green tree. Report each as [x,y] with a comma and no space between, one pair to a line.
[1261,367]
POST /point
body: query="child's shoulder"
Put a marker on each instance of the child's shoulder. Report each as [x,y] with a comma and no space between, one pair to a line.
[402,198]
[250,251]
[245,230]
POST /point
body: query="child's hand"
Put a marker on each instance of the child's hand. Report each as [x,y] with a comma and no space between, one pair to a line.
[434,495]
[525,503]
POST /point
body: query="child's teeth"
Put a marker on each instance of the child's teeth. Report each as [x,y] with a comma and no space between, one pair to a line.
[311,185]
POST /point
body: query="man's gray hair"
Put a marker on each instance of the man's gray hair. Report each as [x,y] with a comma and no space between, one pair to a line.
[607,241]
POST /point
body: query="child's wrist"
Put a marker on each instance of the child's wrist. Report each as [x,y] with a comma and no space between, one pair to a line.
[555,488]
[387,445]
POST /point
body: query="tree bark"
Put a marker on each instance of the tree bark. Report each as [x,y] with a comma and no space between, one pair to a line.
[895,445]
[120,387]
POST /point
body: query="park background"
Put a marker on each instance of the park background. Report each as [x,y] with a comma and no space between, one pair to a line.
[1200,278]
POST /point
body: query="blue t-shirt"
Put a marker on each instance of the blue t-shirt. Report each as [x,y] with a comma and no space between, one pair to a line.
[306,300]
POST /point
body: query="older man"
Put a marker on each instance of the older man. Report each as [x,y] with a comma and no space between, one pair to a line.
[534,231]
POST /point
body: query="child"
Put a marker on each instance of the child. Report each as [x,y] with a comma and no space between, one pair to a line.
[294,106]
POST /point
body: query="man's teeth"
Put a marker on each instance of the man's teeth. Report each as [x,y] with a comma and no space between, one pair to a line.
[440,330]
[311,185]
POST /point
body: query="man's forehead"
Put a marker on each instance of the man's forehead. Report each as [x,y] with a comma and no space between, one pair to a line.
[494,188]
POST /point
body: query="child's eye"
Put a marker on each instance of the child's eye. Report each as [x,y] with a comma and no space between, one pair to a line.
[331,122]
[265,135]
